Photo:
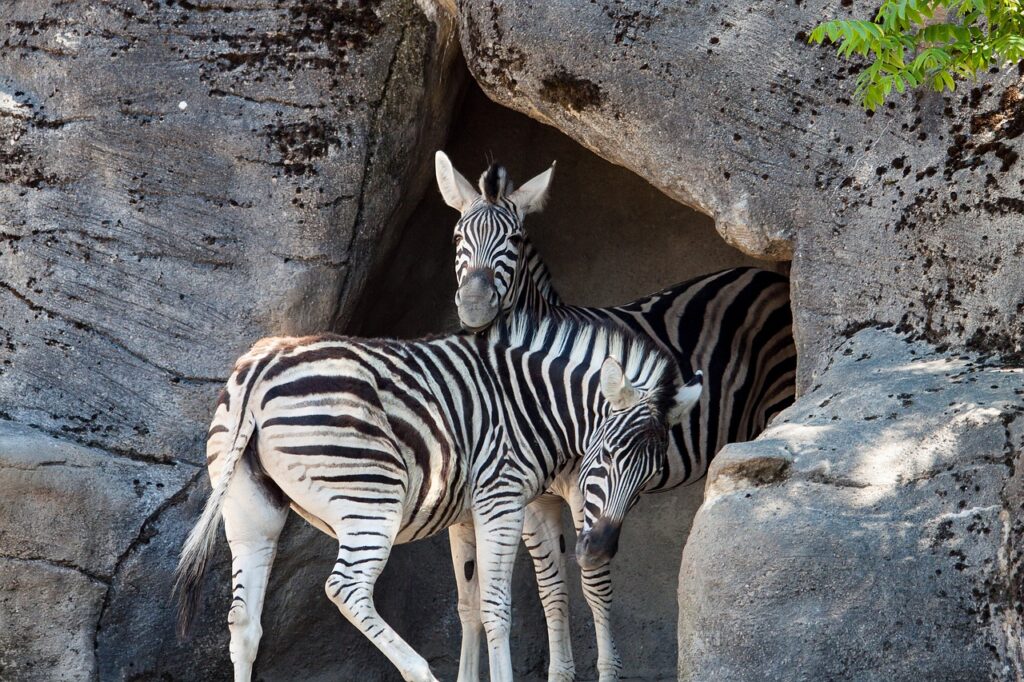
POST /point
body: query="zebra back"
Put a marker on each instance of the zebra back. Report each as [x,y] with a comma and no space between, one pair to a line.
[432,415]
[736,327]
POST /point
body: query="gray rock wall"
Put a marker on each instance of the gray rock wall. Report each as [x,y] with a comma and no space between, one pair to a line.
[177,180]
[144,244]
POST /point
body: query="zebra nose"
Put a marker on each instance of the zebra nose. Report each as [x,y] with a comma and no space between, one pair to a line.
[477,300]
[493,297]
[599,545]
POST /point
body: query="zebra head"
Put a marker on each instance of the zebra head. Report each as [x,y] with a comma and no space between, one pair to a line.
[628,450]
[488,237]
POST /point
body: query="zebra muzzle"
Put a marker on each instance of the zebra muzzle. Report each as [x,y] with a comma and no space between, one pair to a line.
[477,301]
[598,546]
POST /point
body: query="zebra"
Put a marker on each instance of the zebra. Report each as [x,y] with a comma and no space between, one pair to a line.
[734,325]
[379,442]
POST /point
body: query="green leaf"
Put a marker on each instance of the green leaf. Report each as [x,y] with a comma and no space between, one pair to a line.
[984,33]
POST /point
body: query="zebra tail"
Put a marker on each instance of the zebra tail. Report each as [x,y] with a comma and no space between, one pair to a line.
[198,548]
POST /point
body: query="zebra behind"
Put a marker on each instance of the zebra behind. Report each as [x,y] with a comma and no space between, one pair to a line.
[379,442]
[735,326]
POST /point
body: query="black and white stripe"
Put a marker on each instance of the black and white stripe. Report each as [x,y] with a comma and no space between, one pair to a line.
[733,326]
[380,442]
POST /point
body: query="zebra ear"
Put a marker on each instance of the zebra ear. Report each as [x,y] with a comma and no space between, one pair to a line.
[615,387]
[456,190]
[532,195]
[685,398]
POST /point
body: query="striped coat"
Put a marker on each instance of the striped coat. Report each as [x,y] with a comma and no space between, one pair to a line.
[380,442]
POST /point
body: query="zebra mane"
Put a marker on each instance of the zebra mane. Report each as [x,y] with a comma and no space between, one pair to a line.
[648,367]
[495,184]
[538,273]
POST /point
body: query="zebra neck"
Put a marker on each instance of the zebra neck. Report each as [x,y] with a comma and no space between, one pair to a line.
[535,292]
[551,408]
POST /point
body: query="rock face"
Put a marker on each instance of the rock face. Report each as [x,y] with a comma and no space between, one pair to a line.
[872,532]
[908,217]
[177,179]
[219,243]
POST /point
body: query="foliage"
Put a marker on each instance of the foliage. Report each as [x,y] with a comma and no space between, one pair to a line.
[927,42]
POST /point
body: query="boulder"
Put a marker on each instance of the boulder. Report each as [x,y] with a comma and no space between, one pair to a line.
[77,507]
[70,514]
[177,179]
[872,532]
[908,216]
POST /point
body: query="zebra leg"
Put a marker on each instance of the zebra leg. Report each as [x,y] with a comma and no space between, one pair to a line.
[597,588]
[363,549]
[252,523]
[463,540]
[497,542]
[542,533]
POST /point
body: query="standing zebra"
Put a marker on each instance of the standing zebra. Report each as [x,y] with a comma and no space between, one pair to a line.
[733,325]
[378,442]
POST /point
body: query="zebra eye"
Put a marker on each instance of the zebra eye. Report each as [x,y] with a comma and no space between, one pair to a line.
[457,240]
[515,239]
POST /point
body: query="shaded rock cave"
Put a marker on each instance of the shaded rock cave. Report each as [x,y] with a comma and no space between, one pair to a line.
[608,237]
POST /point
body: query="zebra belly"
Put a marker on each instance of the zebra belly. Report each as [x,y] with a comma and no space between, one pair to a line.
[313,521]
[435,503]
